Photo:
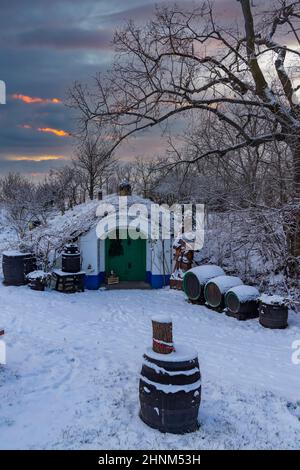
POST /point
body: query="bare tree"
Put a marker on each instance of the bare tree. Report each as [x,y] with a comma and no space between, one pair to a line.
[148,174]
[184,61]
[123,171]
[94,161]
[260,177]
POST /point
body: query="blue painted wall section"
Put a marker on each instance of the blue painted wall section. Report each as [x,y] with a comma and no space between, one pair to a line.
[94,282]
[157,281]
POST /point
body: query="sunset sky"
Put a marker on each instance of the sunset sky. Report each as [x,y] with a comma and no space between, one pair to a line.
[45,46]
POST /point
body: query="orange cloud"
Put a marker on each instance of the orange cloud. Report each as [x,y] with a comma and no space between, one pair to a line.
[34,100]
[34,158]
[25,126]
[58,132]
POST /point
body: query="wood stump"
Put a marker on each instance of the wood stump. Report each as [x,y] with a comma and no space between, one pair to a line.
[162,335]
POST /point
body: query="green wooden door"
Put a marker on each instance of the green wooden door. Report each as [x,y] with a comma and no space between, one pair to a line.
[127,258]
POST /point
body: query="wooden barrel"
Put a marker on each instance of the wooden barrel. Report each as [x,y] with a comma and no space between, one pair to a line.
[36,280]
[36,284]
[195,279]
[273,315]
[71,259]
[170,391]
[15,266]
[242,302]
[216,288]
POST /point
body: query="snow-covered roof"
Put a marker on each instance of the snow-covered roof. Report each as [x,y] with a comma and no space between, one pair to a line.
[83,217]
[63,228]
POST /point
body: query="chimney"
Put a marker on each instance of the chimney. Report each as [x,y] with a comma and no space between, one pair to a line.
[125,188]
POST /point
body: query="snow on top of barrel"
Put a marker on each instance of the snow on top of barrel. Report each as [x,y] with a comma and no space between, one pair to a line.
[273,299]
[245,293]
[182,353]
[206,272]
[14,253]
[225,283]
[37,274]
[161,318]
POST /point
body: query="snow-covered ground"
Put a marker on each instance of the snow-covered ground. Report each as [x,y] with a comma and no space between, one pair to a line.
[73,362]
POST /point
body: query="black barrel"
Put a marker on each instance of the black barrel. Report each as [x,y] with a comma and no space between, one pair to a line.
[15,266]
[170,393]
[36,284]
[242,302]
[71,259]
[274,316]
[37,280]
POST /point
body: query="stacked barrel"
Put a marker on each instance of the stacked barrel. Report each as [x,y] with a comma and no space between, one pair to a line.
[196,278]
[71,259]
[209,285]
[170,383]
[242,302]
[216,288]
[70,278]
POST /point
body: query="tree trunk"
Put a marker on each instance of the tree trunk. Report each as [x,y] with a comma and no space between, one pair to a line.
[91,190]
[294,238]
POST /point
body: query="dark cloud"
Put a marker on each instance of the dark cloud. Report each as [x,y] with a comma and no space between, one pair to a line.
[44,46]
[35,170]
[73,38]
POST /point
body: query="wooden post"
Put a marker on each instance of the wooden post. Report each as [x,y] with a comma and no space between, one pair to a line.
[162,335]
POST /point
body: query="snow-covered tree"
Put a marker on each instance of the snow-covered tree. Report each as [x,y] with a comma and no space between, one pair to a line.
[18,198]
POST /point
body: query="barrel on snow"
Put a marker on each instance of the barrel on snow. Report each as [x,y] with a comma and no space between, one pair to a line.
[216,288]
[273,312]
[242,302]
[170,391]
[195,279]
[71,259]
[15,266]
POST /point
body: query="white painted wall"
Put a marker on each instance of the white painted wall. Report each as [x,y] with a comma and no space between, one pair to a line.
[93,255]
[88,244]
[161,264]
